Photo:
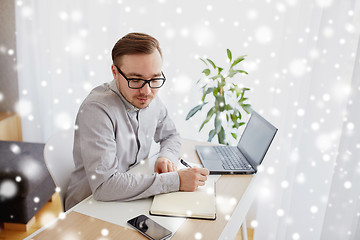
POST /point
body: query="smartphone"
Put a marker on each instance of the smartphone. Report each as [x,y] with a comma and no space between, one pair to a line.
[149,228]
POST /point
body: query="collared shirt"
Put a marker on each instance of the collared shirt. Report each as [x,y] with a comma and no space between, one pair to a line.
[111,136]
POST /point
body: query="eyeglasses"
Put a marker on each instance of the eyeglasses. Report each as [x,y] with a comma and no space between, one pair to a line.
[137,83]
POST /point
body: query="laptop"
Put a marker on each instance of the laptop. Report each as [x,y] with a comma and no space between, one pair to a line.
[246,156]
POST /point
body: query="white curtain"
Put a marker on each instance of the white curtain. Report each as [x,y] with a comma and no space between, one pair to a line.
[309,188]
[303,64]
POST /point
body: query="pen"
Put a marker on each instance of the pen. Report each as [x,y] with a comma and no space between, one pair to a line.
[185,163]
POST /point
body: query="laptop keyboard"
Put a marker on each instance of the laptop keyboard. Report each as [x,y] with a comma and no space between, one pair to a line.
[230,158]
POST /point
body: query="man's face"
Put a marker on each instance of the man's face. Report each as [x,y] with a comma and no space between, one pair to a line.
[144,66]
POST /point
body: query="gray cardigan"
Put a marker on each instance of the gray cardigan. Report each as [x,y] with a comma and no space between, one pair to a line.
[113,135]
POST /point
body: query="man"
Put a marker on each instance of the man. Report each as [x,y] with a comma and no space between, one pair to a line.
[116,124]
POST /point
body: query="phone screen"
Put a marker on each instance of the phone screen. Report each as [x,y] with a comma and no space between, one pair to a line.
[149,228]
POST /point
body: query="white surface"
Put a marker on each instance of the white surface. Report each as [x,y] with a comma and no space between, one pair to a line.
[119,212]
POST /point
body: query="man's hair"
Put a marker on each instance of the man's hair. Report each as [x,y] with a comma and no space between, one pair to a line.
[134,43]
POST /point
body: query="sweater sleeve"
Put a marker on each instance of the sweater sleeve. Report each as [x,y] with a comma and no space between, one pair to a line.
[97,146]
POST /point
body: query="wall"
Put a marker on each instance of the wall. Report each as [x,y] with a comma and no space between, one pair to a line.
[8,76]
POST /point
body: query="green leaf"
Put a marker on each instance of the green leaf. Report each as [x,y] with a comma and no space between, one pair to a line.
[220,102]
[232,72]
[232,117]
[239,115]
[239,91]
[229,54]
[219,70]
[239,59]
[247,108]
[234,135]
[195,110]
[217,123]
[221,136]
[208,117]
[242,100]
[204,61]
[235,118]
[203,87]
[237,125]
[212,63]
[216,77]
[215,92]
[206,72]
[228,107]
[209,90]
[211,135]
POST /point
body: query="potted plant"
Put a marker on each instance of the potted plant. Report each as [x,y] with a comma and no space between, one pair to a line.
[227,98]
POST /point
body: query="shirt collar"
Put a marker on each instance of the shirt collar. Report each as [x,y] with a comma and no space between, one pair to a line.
[128,106]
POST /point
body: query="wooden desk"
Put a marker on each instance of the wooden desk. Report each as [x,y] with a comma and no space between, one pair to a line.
[234,194]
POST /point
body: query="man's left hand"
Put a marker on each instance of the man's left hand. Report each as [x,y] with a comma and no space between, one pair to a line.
[164,165]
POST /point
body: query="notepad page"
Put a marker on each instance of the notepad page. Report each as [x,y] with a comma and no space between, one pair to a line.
[197,204]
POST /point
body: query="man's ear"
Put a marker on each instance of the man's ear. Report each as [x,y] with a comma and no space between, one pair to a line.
[113,70]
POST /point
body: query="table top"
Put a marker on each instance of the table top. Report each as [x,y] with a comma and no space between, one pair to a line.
[234,195]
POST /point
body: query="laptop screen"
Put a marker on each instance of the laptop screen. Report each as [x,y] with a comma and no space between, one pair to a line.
[256,138]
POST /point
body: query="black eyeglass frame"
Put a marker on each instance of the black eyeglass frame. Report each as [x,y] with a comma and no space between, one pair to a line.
[139,79]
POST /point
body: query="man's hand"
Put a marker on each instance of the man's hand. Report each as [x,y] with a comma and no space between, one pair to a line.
[164,165]
[191,178]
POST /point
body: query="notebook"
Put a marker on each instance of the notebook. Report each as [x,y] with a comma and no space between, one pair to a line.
[246,156]
[197,204]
